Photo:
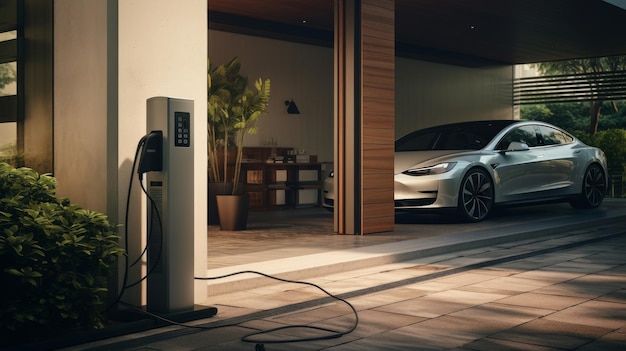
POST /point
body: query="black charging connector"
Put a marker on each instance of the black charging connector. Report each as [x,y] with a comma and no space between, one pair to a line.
[152,153]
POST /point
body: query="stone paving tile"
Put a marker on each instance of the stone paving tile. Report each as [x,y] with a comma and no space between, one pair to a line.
[608,342]
[500,291]
[388,297]
[492,308]
[513,283]
[225,311]
[579,267]
[594,313]
[315,314]
[496,271]
[524,265]
[618,296]
[550,333]
[549,275]
[432,286]
[509,316]
[373,322]
[424,307]
[609,280]
[577,288]
[466,297]
[543,301]
[469,325]
[491,344]
[617,270]
[413,337]
[338,287]
[467,278]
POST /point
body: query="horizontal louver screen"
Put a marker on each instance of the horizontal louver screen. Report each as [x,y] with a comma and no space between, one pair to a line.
[570,88]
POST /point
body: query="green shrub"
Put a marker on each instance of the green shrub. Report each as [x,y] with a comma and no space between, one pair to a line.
[54,258]
[613,143]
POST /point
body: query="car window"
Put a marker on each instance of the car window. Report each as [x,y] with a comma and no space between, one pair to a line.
[523,134]
[457,136]
[552,136]
[418,141]
[463,138]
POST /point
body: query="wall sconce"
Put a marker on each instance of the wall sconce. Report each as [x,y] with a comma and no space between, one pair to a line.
[292,109]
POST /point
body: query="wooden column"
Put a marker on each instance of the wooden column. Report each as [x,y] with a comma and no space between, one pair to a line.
[364,116]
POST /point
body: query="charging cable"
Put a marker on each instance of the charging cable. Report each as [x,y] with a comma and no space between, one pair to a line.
[154,138]
[255,337]
[333,334]
[154,164]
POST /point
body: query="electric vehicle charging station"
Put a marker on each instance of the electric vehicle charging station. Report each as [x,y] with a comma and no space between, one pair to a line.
[170,281]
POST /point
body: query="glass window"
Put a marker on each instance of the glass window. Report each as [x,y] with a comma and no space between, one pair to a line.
[553,136]
[8,78]
[9,35]
[8,84]
[523,134]
[418,141]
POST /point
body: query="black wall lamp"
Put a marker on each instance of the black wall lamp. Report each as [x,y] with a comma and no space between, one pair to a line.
[292,109]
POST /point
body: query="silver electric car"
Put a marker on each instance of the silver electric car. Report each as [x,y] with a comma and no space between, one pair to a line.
[471,167]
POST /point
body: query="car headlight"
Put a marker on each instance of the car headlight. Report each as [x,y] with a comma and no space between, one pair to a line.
[436,169]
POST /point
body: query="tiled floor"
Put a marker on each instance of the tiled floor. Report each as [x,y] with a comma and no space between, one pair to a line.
[570,299]
[296,232]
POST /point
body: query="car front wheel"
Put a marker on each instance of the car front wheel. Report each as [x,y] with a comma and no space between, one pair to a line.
[475,196]
[594,188]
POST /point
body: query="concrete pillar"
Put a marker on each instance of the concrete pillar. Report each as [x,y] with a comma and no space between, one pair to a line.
[109,58]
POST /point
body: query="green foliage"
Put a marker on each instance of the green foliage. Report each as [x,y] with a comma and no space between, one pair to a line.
[8,74]
[233,111]
[585,65]
[613,143]
[54,257]
[593,69]
[574,116]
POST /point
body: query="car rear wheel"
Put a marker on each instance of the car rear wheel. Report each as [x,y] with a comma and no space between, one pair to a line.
[594,188]
[475,196]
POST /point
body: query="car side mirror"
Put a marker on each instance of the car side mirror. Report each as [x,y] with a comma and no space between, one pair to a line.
[517,146]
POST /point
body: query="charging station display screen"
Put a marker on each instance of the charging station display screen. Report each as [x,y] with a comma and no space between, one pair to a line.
[182,122]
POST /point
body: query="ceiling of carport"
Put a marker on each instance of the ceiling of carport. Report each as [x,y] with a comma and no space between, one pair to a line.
[462,32]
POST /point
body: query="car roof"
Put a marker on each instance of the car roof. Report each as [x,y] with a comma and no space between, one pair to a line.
[498,123]
[448,136]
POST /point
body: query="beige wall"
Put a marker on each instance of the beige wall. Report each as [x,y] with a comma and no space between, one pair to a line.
[426,93]
[80,102]
[110,57]
[300,72]
[429,93]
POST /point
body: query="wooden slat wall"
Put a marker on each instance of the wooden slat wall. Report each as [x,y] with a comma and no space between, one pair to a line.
[377,124]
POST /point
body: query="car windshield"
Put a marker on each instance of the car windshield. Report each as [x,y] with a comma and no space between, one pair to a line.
[457,136]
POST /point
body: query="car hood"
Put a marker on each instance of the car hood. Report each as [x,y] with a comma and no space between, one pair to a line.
[407,159]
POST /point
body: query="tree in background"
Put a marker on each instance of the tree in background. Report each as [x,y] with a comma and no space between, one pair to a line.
[7,75]
[573,116]
[593,67]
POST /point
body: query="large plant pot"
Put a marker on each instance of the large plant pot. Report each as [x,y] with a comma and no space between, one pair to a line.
[216,188]
[233,211]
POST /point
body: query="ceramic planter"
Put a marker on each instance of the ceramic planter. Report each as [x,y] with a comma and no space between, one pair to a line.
[233,211]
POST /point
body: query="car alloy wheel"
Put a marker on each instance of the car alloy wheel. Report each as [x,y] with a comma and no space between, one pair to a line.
[594,188]
[475,195]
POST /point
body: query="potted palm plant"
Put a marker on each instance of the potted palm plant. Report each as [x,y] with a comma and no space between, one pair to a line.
[233,111]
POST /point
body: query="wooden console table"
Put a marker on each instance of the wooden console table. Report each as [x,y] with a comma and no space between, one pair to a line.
[283,184]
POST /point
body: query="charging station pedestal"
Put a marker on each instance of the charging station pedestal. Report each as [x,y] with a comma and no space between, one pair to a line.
[171,229]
